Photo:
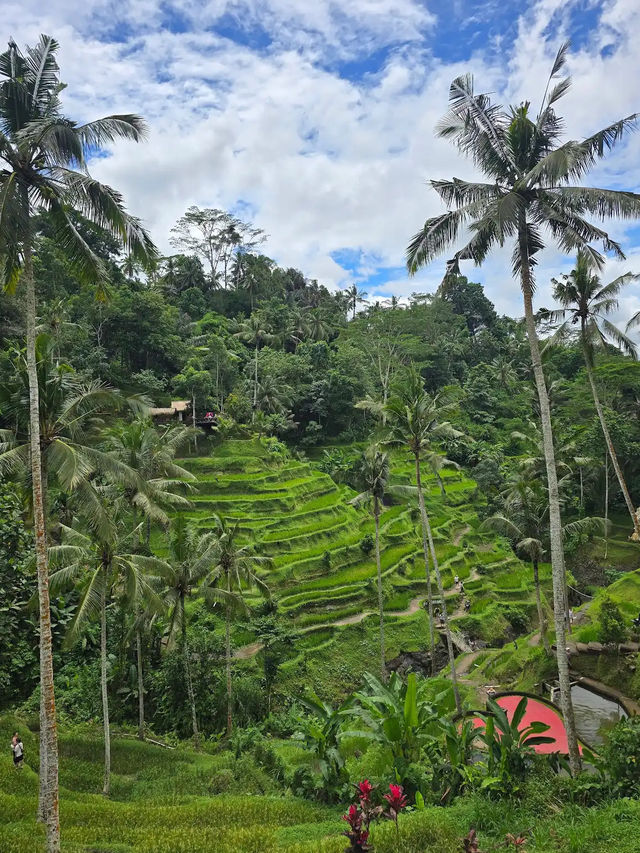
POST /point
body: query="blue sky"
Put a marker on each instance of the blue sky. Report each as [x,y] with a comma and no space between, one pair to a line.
[317,118]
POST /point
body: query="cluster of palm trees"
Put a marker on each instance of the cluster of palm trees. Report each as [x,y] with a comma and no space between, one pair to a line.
[106,487]
[532,188]
[414,421]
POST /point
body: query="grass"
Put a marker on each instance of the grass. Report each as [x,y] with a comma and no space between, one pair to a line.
[167,801]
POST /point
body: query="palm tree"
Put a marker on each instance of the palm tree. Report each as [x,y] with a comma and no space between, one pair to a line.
[273,396]
[525,521]
[101,563]
[320,325]
[585,304]
[186,570]
[151,452]
[354,297]
[522,521]
[44,167]
[232,572]
[257,333]
[531,186]
[414,419]
[71,421]
[373,474]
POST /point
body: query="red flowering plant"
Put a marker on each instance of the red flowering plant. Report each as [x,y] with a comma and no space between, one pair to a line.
[396,802]
[360,815]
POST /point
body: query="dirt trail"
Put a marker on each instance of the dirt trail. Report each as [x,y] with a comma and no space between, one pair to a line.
[245,652]
[463,666]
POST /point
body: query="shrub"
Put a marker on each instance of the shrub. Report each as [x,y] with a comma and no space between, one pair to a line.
[366,544]
[622,756]
[611,623]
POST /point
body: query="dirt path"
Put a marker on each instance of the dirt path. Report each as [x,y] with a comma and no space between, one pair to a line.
[245,652]
[463,532]
[463,667]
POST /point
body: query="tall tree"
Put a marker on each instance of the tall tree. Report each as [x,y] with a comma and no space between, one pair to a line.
[530,187]
[416,421]
[255,332]
[101,563]
[44,167]
[233,571]
[189,566]
[373,474]
[354,297]
[585,304]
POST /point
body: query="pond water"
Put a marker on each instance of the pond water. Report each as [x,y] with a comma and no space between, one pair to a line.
[594,714]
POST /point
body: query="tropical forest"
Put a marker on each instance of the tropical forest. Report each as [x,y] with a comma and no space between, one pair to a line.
[287,567]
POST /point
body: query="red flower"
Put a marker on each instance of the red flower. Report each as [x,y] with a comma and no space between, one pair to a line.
[396,800]
[353,816]
[364,789]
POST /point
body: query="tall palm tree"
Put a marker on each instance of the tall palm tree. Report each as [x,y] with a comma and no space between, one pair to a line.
[585,304]
[525,521]
[71,419]
[354,297]
[43,156]
[189,565]
[151,452]
[373,474]
[415,422]
[232,572]
[532,185]
[255,332]
[100,562]
[273,396]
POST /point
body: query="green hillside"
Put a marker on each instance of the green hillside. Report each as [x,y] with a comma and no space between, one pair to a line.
[322,580]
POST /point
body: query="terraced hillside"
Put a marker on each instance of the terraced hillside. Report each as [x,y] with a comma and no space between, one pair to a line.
[323,580]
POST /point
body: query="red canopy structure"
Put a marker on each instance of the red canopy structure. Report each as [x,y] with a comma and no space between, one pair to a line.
[538,710]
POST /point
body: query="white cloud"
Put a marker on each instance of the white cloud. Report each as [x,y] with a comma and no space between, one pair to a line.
[326,163]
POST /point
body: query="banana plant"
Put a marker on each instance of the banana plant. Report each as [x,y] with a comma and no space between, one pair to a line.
[509,748]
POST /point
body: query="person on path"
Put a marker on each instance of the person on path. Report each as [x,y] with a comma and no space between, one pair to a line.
[18,753]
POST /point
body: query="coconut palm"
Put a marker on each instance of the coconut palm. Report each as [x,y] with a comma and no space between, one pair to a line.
[415,422]
[100,563]
[319,324]
[533,185]
[151,452]
[43,156]
[354,297]
[71,421]
[273,396]
[255,332]
[525,521]
[585,304]
[373,475]
[232,573]
[188,566]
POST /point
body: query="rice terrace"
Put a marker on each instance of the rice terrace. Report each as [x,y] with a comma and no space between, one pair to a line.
[320,427]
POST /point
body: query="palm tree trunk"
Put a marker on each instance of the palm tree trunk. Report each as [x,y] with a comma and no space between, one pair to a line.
[376,515]
[193,419]
[190,693]
[103,680]
[48,807]
[425,549]
[140,685]
[42,795]
[606,504]
[255,387]
[555,523]
[611,449]
[434,558]
[542,621]
[227,640]
[581,493]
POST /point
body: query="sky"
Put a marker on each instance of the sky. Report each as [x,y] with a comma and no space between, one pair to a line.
[315,118]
